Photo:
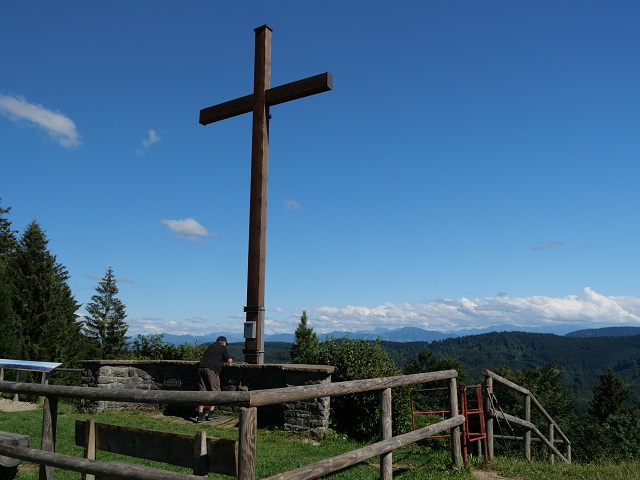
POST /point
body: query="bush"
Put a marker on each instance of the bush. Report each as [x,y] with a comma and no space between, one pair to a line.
[357,415]
[154,348]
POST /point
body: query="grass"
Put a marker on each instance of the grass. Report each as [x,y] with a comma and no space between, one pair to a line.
[279,451]
[517,468]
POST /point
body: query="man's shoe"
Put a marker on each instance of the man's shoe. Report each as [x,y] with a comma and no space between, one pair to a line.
[200,419]
[212,416]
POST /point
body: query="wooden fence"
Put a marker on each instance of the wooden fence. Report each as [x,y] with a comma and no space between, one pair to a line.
[248,401]
[529,399]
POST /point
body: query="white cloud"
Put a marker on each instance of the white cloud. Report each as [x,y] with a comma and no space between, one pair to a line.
[291,205]
[591,309]
[152,137]
[154,326]
[57,125]
[187,228]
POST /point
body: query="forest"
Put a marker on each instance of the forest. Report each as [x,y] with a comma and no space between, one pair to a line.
[581,360]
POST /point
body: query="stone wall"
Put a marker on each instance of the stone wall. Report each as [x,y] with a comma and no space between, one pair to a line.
[309,415]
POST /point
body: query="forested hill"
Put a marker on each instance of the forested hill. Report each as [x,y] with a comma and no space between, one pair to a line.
[582,360]
[605,332]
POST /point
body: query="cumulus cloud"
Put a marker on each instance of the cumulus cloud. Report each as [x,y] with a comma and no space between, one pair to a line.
[573,312]
[57,125]
[187,228]
[590,309]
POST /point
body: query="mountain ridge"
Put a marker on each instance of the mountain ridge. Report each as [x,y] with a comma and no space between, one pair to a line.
[411,334]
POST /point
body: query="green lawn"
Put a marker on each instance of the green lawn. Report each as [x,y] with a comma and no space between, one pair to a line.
[278,451]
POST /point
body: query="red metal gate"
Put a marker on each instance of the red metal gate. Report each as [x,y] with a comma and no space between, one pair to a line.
[473,430]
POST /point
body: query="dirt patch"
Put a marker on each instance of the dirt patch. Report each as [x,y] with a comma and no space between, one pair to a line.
[7,405]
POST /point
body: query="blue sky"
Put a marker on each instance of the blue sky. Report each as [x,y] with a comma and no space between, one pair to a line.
[476,163]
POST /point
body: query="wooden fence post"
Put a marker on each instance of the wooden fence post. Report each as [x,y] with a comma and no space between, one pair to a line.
[527,432]
[488,418]
[551,435]
[16,397]
[49,423]
[200,454]
[386,459]
[456,449]
[247,443]
[90,446]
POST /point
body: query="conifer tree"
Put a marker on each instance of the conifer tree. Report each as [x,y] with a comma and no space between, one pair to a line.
[8,240]
[305,348]
[105,324]
[43,301]
[609,397]
[10,337]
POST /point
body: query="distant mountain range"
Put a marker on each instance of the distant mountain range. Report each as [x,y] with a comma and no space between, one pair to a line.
[409,334]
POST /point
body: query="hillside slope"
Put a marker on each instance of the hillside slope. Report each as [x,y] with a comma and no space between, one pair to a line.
[582,360]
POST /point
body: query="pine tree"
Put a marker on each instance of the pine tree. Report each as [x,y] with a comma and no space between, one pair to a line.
[43,301]
[8,241]
[305,348]
[10,337]
[105,324]
[609,397]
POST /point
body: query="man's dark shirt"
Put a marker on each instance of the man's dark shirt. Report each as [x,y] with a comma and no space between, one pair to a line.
[214,357]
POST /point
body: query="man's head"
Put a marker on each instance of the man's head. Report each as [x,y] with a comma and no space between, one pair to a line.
[222,339]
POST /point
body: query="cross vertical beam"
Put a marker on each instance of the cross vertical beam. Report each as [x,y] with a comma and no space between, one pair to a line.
[259,102]
[254,347]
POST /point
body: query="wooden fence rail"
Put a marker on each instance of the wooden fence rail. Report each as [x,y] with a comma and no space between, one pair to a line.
[529,400]
[248,401]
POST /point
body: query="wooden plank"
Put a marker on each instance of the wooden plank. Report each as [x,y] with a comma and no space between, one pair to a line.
[345,460]
[123,470]
[273,96]
[222,111]
[299,89]
[236,398]
[273,396]
[15,439]
[167,447]
[533,428]
[222,455]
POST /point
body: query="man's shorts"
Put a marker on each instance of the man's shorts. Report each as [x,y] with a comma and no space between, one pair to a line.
[208,380]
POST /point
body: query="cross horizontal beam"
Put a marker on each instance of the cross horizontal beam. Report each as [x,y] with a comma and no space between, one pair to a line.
[273,96]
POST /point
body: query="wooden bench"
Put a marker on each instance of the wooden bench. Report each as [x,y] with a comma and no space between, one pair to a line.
[202,454]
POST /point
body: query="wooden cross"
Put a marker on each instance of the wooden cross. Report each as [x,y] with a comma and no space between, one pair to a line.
[259,102]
